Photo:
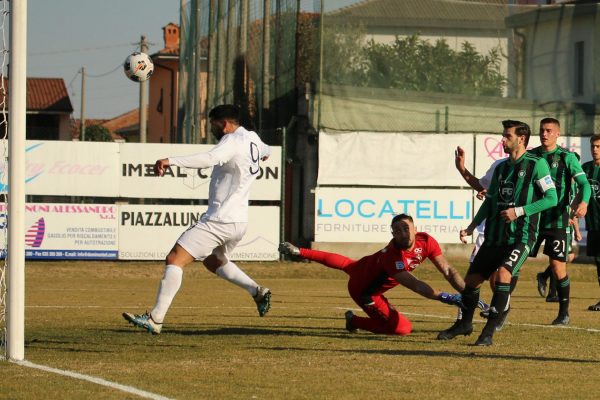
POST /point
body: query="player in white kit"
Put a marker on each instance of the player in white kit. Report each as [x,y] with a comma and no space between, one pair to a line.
[235,159]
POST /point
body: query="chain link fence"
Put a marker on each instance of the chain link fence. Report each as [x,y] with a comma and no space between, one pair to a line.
[390,65]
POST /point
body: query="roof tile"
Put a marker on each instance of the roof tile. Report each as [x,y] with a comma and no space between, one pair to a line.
[45,94]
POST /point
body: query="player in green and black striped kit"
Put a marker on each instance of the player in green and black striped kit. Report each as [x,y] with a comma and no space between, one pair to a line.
[521,188]
[554,224]
[592,218]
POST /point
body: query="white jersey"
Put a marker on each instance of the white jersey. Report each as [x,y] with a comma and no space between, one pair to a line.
[236,161]
[487,178]
[484,181]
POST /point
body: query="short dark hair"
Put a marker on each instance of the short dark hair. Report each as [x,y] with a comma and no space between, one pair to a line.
[521,128]
[225,111]
[594,137]
[401,217]
[549,120]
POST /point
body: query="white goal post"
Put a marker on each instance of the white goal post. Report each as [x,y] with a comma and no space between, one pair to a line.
[15,214]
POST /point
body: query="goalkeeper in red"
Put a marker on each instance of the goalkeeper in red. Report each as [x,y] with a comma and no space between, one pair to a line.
[520,190]
[372,276]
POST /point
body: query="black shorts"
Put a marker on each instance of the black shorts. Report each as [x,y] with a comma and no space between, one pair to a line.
[593,244]
[490,258]
[557,246]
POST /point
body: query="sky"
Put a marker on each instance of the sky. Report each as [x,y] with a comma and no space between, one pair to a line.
[65,35]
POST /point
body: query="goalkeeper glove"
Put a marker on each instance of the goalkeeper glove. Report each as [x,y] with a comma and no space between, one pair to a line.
[453,299]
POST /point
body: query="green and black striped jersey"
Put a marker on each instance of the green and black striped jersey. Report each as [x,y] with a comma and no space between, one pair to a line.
[525,183]
[564,169]
[592,218]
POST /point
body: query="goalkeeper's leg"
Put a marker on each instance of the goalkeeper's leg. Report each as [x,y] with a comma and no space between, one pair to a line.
[331,260]
[382,318]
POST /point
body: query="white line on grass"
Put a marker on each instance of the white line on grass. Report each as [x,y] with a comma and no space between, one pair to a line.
[571,327]
[574,328]
[93,379]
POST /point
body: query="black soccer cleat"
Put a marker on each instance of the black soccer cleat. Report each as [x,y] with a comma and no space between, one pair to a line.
[502,320]
[484,340]
[349,315]
[459,328]
[594,307]
[562,319]
[288,249]
[541,284]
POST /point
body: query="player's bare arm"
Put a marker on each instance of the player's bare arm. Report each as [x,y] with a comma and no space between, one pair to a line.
[576,231]
[459,162]
[407,280]
[451,274]
[160,165]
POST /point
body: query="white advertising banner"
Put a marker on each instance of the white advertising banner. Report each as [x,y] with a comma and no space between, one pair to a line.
[61,168]
[148,232]
[69,231]
[488,148]
[100,169]
[365,214]
[137,177]
[390,159]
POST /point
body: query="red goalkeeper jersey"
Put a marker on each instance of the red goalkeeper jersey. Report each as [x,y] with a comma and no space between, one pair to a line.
[375,271]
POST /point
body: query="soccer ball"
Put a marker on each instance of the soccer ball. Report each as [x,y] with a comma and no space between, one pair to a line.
[138,67]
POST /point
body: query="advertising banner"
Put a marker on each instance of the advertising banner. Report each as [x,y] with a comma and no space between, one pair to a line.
[390,159]
[69,231]
[60,168]
[99,169]
[365,214]
[148,232]
[137,177]
[488,148]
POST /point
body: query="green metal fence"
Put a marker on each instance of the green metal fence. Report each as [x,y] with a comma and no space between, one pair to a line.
[391,65]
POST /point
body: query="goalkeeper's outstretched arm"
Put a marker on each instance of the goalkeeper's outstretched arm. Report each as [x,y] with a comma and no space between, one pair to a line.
[451,274]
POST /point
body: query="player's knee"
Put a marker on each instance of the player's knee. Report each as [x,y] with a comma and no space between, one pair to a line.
[212,263]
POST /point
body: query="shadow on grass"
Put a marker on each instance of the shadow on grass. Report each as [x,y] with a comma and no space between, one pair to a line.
[282,330]
[62,345]
[438,353]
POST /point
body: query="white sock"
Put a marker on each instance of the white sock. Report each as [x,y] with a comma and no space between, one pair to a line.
[232,273]
[168,288]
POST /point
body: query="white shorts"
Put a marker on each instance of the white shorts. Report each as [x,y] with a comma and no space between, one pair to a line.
[212,237]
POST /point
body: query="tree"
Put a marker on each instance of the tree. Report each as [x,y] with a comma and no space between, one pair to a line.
[410,63]
[97,133]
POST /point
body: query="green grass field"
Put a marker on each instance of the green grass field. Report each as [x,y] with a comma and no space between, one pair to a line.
[214,345]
